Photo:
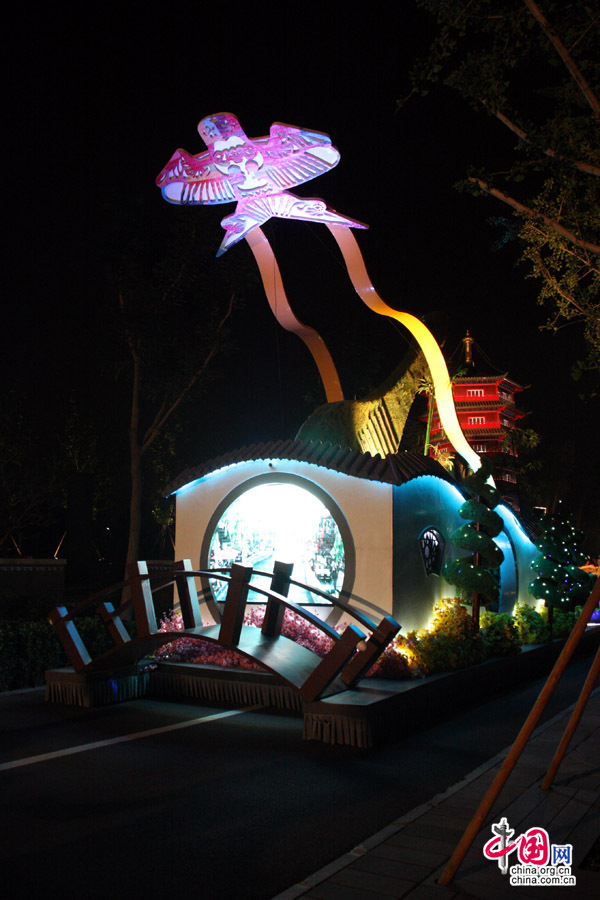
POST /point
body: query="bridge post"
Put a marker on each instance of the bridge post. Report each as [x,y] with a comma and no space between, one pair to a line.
[113,623]
[141,598]
[364,658]
[70,638]
[188,597]
[275,611]
[235,605]
[332,664]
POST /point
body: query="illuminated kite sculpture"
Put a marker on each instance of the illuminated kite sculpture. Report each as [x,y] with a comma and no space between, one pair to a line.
[257,173]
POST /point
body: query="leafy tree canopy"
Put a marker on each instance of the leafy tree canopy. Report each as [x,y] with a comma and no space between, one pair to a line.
[535,69]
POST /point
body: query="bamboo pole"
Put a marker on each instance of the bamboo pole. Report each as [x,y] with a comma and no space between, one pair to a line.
[588,687]
[519,745]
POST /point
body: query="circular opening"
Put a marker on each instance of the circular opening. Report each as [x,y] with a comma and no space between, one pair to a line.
[284,522]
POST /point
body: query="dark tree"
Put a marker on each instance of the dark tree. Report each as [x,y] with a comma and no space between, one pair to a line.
[30,475]
[171,301]
[535,70]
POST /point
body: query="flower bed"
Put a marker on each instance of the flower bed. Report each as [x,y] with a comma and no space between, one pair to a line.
[451,641]
[195,650]
[28,648]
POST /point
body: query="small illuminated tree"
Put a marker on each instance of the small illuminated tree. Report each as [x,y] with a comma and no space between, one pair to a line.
[560,583]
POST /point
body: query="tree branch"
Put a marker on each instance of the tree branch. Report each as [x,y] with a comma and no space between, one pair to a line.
[129,337]
[567,296]
[537,216]
[171,287]
[588,168]
[564,54]
[163,414]
[584,259]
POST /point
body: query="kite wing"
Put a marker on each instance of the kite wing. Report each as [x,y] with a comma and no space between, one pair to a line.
[236,167]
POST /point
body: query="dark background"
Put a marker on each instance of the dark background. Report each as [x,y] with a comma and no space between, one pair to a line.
[98,99]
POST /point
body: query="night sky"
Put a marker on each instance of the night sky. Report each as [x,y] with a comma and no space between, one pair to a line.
[102,95]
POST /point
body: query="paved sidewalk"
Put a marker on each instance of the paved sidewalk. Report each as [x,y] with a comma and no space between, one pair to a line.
[405,859]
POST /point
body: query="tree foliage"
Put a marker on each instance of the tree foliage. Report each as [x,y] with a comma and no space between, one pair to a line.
[478,573]
[560,582]
[535,69]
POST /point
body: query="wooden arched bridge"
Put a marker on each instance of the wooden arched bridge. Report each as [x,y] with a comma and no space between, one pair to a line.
[352,653]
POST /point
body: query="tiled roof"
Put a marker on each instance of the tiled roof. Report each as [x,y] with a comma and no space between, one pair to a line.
[396,468]
[480,379]
[490,379]
[477,431]
[467,404]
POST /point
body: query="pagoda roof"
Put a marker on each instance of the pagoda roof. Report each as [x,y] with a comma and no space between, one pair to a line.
[487,406]
[476,368]
[472,403]
[479,432]
[490,379]
[512,413]
[395,468]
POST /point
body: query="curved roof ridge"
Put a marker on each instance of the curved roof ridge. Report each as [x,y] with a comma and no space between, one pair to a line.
[395,468]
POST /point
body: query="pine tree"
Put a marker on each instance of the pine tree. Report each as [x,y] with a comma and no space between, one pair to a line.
[560,583]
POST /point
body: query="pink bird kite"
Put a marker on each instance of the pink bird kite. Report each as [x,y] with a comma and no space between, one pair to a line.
[255,172]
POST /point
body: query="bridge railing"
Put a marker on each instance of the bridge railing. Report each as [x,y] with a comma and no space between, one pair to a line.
[352,651]
[381,634]
[331,599]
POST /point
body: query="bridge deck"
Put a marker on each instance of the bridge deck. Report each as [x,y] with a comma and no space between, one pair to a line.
[289,661]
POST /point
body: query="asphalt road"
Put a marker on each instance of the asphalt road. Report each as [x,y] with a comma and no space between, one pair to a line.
[212,806]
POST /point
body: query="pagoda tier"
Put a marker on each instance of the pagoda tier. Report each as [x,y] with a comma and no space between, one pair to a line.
[487,412]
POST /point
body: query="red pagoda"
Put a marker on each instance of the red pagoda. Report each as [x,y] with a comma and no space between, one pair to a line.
[485,405]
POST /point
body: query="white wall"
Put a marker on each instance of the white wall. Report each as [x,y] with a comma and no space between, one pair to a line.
[366,506]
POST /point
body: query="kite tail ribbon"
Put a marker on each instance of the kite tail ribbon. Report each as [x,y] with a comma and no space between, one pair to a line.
[428,344]
[281,309]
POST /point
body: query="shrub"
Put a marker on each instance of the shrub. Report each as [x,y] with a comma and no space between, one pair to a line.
[15,606]
[562,621]
[27,649]
[532,627]
[394,662]
[500,634]
[450,642]
[12,664]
